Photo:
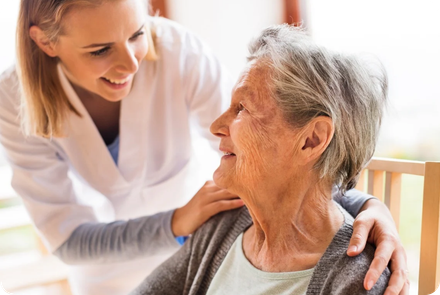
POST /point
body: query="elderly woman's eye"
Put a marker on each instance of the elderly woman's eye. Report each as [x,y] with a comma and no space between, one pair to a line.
[240,108]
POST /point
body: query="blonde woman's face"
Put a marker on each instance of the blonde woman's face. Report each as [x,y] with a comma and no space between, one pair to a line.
[102,47]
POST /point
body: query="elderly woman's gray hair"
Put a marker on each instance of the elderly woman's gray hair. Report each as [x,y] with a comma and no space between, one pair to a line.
[308,81]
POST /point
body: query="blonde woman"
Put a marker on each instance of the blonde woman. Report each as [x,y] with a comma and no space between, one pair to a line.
[104,94]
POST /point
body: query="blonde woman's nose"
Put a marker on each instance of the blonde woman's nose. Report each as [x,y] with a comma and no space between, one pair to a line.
[127,61]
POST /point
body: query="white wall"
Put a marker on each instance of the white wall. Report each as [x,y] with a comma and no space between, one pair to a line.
[8,18]
[405,35]
[227,25]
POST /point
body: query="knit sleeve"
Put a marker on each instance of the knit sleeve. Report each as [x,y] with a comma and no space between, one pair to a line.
[170,277]
[99,243]
[339,274]
[346,276]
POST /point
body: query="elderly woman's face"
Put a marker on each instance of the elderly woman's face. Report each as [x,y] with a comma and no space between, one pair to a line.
[257,143]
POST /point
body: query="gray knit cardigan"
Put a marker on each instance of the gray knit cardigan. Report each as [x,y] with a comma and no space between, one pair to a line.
[191,270]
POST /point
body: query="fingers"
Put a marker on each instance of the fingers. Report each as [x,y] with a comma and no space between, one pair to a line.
[380,261]
[398,283]
[406,288]
[208,201]
[210,192]
[223,205]
[210,186]
[221,195]
[361,228]
[397,286]
[383,233]
[387,251]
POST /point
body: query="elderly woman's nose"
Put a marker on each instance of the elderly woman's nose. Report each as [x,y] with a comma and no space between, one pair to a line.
[219,127]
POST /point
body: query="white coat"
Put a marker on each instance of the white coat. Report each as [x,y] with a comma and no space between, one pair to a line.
[155,158]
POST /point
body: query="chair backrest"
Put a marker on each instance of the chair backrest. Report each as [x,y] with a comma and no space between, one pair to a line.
[384,181]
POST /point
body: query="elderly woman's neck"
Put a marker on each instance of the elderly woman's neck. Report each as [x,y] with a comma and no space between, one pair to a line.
[297,224]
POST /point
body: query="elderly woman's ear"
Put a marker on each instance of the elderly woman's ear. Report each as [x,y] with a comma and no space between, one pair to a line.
[316,137]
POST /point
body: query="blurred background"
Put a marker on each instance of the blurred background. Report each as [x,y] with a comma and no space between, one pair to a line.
[404,35]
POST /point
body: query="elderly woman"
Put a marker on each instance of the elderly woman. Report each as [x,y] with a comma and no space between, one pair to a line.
[302,120]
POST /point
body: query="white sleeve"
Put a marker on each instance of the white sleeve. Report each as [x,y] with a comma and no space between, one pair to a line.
[209,86]
[39,175]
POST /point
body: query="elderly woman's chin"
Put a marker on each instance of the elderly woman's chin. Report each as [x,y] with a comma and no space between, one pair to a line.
[223,177]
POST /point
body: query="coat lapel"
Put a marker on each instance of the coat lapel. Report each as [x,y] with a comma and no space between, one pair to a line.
[86,149]
[134,125]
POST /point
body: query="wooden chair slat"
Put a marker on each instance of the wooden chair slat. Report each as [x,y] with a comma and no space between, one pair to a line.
[399,166]
[393,189]
[361,182]
[389,190]
[376,183]
[429,275]
[370,183]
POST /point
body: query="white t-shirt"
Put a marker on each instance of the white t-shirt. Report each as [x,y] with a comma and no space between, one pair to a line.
[237,275]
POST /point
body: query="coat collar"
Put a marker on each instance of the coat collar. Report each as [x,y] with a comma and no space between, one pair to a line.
[87,150]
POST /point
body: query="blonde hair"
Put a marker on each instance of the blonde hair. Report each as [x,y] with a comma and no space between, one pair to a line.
[44,104]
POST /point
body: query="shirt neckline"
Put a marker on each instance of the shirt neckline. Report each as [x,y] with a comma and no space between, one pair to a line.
[238,247]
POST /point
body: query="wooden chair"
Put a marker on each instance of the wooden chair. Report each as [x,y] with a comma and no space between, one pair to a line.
[384,180]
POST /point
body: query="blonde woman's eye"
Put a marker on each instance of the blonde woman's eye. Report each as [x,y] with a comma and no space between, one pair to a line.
[100,51]
[135,36]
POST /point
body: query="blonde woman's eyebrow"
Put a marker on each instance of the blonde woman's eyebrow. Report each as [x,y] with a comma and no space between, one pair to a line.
[110,43]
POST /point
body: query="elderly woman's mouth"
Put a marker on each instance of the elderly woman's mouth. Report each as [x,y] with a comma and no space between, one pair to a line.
[227,155]
[226,151]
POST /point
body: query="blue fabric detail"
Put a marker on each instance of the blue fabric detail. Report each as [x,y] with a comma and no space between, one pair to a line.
[181,240]
[113,148]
